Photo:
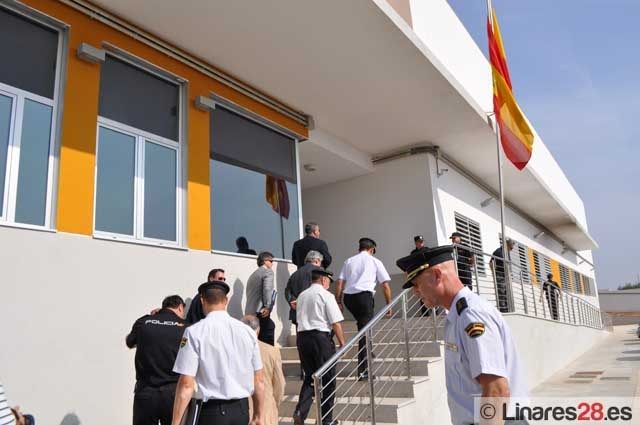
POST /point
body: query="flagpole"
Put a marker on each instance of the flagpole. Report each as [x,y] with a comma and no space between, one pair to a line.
[505,253]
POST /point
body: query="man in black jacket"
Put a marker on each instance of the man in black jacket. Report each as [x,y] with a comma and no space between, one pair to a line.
[196,313]
[157,341]
[301,280]
[311,241]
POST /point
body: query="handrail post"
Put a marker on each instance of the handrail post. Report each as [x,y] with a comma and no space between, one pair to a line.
[573,310]
[495,287]
[434,319]
[511,306]
[317,389]
[564,307]
[524,298]
[544,309]
[405,327]
[372,398]
[533,294]
[475,273]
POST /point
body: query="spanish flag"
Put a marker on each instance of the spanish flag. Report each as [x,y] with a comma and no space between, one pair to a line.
[515,133]
[277,195]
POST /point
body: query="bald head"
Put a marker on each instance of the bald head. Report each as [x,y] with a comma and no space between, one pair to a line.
[438,285]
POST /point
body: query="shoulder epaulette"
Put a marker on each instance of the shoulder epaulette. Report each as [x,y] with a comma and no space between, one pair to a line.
[461,304]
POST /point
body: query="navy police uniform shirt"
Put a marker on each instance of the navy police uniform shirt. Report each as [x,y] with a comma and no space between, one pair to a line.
[157,340]
[477,341]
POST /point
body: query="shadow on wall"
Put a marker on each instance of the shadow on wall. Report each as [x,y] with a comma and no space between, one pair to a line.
[235,302]
[282,306]
[70,419]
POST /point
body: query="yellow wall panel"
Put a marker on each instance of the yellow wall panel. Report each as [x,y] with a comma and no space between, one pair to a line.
[532,267]
[77,159]
[555,271]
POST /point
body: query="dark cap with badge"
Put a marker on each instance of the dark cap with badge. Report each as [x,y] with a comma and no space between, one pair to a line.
[456,235]
[423,259]
[418,238]
[215,284]
[319,271]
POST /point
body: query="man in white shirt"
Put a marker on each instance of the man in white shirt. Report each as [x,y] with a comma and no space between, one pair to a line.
[222,356]
[358,278]
[318,316]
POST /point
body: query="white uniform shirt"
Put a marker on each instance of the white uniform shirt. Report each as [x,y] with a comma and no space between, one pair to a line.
[362,272]
[491,352]
[317,309]
[222,353]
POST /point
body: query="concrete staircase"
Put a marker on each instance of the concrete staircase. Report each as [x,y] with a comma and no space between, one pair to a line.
[398,400]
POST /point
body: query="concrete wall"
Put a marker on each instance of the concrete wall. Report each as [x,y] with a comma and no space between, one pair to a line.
[68,302]
[546,346]
[622,306]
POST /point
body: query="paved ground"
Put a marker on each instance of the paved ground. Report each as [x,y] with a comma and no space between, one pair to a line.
[611,369]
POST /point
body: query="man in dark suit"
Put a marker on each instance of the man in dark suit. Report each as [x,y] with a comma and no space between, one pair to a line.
[311,241]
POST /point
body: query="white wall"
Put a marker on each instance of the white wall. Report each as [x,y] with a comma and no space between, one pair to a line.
[620,301]
[453,192]
[390,205]
[546,346]
[68,302]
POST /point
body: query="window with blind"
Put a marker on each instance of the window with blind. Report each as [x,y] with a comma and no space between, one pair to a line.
[472,238]
[523,263]
[254,187]
[138,155]
[577,282]
[564,278]
[28,110]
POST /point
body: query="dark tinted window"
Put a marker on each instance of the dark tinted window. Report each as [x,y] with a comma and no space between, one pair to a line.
[239,141]
[28,51]
[137,98]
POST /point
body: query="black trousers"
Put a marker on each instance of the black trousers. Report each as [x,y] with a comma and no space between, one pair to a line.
[225,412]
[464,274]
[267,330]
[153,404]
[503,296]
[361,306]
[553,306]
[315,348]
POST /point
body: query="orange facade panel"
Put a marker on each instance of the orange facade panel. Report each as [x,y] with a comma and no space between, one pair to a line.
[79,123]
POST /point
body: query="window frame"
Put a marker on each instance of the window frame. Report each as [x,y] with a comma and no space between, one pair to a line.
[479,265]
[140,139]
[221,102]
[19,96]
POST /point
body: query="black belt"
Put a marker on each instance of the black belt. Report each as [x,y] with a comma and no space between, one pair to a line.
[315,332]
[213,403]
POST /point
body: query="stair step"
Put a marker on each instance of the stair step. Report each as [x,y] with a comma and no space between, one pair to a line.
[416,349]
[381,367]
[391,386]
[350,409]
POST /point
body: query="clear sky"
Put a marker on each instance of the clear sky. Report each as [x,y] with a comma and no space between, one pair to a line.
[575,67]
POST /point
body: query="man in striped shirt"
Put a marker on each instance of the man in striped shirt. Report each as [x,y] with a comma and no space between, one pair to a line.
[8,415]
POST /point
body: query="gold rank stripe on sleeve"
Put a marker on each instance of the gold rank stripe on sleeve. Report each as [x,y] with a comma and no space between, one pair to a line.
[475,329]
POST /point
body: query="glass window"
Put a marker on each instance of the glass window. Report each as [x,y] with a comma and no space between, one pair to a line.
[139,119]
[32,49]
[137,98]
[159,192]
[34,163]
[6,104]
[254,193]
[27,110]
[115,182]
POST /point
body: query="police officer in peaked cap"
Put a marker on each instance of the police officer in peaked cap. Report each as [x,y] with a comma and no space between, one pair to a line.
[221,355]
[480,355]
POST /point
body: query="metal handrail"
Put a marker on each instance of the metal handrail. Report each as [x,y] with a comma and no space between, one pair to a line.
[353,341]
[400,340]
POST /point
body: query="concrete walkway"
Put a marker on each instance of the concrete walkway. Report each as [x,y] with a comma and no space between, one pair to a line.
[611,369]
